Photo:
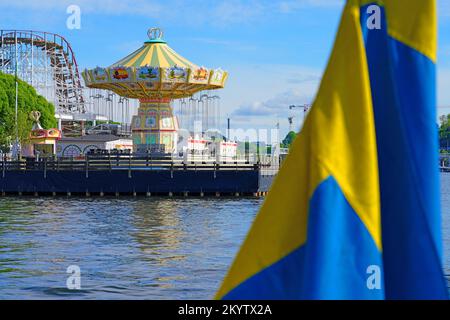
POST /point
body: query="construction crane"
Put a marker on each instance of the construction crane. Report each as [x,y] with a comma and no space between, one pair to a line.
[291,122]
[304,107]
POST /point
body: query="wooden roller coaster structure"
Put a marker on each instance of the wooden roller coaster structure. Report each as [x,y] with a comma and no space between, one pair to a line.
[47,62]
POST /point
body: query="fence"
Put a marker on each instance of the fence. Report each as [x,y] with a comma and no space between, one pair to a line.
[133,163]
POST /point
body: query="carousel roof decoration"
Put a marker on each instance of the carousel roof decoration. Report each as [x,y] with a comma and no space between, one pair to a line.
[155,71]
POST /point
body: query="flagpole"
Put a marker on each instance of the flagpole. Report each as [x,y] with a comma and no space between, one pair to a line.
[16,147]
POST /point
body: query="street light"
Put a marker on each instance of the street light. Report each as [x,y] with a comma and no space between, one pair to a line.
[97,97]
[216,112]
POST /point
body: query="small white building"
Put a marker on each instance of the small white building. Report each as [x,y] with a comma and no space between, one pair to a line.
[78,146]
[227,151]
[203,149]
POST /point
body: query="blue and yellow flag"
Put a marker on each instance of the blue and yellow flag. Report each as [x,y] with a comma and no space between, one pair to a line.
[354,211]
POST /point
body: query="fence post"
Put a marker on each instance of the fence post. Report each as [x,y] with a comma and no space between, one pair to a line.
[87,166]
[4,165]
[129,167]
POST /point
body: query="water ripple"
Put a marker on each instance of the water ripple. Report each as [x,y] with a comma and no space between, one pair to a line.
[125,248]
[129,248]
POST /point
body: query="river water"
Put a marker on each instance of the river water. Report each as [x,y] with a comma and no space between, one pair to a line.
[128,248]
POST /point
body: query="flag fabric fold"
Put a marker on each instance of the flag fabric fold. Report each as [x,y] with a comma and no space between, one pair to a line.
[354,210]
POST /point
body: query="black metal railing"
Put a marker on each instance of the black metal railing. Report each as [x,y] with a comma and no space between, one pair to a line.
[127,162]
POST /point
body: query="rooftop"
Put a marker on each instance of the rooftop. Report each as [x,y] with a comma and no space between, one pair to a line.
[93,137]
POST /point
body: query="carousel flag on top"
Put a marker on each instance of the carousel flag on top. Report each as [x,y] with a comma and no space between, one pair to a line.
[354,211]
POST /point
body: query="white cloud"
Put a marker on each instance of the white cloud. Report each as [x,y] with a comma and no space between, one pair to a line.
[236,11]
[259,96]
[278,106]
[259,83]
[197,12]
[138,7]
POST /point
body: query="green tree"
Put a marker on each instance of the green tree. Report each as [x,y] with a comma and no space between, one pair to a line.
[287,141]
[28,100]
[444,132]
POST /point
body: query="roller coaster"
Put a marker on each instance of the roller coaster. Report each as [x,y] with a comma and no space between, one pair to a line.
[47,62]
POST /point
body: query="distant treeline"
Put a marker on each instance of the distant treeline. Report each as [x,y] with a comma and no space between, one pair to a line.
[444,133]
[261,147]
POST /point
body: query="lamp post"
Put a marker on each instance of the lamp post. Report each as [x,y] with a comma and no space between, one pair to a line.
[16,148]
[110,98]
[194,111]
[125,112]
[204,98]
[97,97]
[216,112]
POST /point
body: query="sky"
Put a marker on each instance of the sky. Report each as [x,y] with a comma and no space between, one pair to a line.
[274,51]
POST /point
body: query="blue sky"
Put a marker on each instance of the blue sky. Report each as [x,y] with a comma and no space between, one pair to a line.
[275,51]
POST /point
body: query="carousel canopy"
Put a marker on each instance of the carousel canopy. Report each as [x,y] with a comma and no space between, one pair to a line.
[155,71]
[155,54]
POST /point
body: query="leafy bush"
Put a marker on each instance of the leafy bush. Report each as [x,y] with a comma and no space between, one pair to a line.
[287,141]
[28,100]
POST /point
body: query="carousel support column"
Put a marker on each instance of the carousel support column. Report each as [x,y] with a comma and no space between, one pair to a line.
[155,124]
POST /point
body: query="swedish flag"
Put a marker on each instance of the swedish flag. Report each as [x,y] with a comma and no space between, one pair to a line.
[354,211]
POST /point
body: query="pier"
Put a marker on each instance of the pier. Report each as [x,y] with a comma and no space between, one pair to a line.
[132,175]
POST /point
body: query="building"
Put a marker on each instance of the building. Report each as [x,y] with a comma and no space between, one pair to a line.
[78,146]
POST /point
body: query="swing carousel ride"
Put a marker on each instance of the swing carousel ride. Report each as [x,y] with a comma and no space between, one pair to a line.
[156,75]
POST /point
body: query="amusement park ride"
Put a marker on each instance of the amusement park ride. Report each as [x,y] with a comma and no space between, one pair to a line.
[155,74]
[47,62]
[168,153]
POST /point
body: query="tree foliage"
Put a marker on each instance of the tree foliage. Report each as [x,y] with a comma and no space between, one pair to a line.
[287,141]
[28,100]
[444,132]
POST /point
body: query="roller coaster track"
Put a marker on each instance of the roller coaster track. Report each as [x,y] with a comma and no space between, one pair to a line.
[47,62]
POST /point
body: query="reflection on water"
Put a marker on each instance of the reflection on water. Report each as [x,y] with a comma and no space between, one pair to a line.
[128,248]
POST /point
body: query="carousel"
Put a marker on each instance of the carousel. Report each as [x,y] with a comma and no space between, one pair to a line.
[156,75]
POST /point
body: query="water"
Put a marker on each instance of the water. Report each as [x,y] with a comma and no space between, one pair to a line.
[127,248]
